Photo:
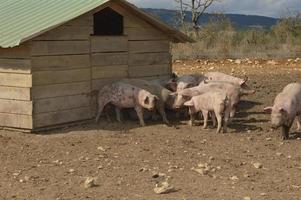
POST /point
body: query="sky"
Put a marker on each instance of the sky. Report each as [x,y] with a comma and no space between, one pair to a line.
[271,8]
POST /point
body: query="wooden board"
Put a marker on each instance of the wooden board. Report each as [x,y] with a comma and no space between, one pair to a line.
[149,70]
[15,80]
[138,34]
[44,48]
[60,62]
[14,93]
[109,59]
[61,103]
[55,77]
[61,117]
[16,121]
[84,20]
[15,107]
[59,90]
[22,66]
[149,59]
[130,20]
[97,84]
[22,51]
[149,46]
[67,33]
[119,71]
[101,44]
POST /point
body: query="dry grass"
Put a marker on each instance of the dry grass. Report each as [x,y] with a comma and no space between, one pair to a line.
[219,39]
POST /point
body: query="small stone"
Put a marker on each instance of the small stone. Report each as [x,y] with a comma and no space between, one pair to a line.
[143,169]
[21,181]
[101,148]
[279,154]
[263,194]
[71,171]
[268,139]
[272,62]
[100,167]
[27,178]
[234,178]
[200,171]
[247,198]
[218,167]
[289,157]
[90,182]
[164,188]
[238,61]
[257,165]
[211,158]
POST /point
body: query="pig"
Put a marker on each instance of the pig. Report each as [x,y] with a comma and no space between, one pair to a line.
[218,76]
[188,81]
[169,83]
[123,95]
[163,94]
[233,92]
[214,101]
[287,107]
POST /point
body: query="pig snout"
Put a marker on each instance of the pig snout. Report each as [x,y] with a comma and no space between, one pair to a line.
[179,101]
[277,120]
[150,102]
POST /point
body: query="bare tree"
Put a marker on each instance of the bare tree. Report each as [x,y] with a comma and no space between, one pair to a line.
[197,8]
[182,11]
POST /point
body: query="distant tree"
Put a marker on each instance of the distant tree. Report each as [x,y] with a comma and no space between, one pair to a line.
[197,9]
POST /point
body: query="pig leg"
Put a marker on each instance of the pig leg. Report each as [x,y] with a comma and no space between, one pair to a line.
[298,119]
[139,111]
[118,114]
[205,115]
[100,109]
[232,113]
[226,119]
[286,129]
[161,110]
[191,113]
[219,122]
[213,118]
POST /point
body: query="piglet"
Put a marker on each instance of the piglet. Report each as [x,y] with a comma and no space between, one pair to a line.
[123,95]
[214,101]
[287,107]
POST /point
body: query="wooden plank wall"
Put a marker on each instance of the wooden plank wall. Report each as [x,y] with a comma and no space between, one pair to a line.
[149,48]
[62,74]
[68,63]
[15,85]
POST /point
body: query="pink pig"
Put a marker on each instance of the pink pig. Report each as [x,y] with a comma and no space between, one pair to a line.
[188,81]
[216,102]
[218,76]
[287,107]
[123,95]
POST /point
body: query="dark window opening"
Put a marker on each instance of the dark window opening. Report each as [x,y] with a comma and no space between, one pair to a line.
[108,22]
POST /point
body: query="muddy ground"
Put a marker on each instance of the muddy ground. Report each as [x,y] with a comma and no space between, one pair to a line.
[124,157]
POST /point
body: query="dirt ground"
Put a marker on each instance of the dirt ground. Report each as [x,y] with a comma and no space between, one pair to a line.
[124,157]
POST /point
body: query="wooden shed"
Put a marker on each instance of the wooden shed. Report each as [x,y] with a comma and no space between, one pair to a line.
[54,54]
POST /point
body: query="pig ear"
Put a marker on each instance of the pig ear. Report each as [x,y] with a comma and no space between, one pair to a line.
[244,80]
[146,100]
[188,103]
[268,110]
[282,110]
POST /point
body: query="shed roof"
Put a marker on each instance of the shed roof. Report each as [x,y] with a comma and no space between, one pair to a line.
[22,20]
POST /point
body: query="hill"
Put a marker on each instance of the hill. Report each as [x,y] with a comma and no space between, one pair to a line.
[240,21]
